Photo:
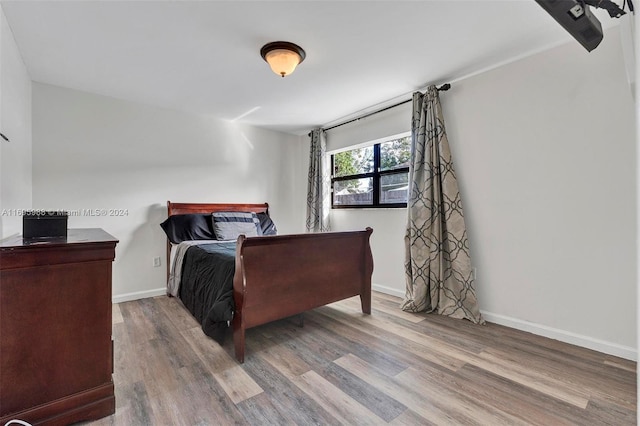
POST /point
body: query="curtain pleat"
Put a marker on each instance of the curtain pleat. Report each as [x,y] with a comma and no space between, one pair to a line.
[439,277]
[318,202]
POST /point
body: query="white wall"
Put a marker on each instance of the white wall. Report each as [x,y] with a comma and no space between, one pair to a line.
[545,157]
[94,152]
[15,123]
[550,191]
[387,240]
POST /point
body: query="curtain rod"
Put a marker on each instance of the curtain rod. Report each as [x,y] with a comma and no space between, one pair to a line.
[442,88]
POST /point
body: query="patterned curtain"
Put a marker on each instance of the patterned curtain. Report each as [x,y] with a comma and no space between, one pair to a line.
[437,263]
[318,202]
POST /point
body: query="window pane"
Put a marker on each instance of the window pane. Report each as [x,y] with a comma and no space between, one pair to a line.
[395,154]
[353,192]
[394,188]
[353,162]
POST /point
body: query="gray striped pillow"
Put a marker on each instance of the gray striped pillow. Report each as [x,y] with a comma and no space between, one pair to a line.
[229,225]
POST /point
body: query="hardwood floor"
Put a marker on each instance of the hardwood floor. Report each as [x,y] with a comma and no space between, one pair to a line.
[344,367]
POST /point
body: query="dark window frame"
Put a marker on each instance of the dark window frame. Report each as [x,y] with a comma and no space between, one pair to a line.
[376,175]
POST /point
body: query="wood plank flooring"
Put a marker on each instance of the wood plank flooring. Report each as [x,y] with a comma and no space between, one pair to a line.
[344,367]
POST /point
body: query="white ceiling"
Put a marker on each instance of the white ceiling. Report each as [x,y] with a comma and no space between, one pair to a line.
[203,56]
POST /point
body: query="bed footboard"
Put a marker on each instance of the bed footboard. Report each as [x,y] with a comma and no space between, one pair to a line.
[280,276]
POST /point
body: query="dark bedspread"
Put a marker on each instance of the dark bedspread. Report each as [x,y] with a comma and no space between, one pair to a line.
[206,286]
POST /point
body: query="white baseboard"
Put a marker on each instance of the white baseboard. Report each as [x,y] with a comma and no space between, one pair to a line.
[127,297]
[388,290]
[563,336]
[614,349]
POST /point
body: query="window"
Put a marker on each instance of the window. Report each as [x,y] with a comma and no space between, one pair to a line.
[373,176]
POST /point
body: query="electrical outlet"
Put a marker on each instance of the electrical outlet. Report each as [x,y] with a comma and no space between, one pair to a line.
[156,261]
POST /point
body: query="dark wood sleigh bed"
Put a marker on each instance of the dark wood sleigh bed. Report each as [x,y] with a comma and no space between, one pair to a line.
[284,275]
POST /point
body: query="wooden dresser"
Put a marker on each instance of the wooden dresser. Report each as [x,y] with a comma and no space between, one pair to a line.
[56,352]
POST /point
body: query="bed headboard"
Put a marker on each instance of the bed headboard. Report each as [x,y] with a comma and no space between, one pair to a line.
[191,208]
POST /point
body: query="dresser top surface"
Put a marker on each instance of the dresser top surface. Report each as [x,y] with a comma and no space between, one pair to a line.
[74,236]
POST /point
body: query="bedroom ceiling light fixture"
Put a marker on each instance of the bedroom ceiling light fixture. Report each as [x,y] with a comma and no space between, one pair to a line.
[283,57]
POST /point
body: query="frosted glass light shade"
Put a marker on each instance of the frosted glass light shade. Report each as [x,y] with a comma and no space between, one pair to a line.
[283,57]
[282,61]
